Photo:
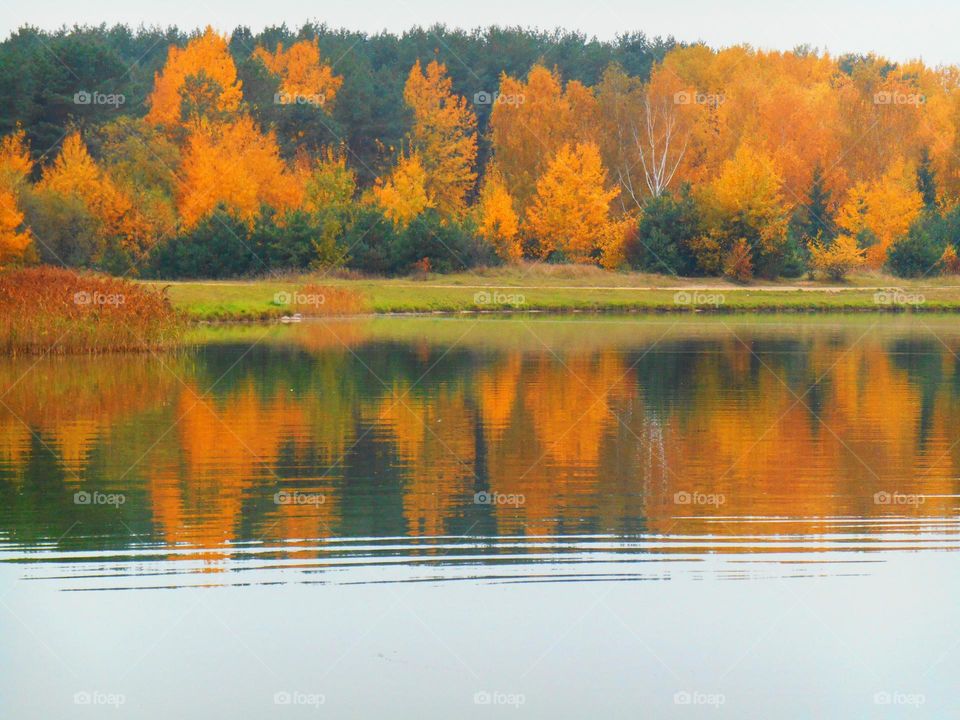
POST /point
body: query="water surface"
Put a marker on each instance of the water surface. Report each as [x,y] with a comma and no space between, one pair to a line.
[467,517]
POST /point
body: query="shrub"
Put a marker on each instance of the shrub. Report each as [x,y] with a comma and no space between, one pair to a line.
[795,258]
[839,258]
[449,246]
[299,240]
[737,264]
[368,241]
[66,231]
[46,309]
[919,253]
[664,238]
[950,261]
[220,246]
[376,245]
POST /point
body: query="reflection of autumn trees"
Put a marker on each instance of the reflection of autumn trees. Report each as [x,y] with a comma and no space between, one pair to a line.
[72,403]
[797,426]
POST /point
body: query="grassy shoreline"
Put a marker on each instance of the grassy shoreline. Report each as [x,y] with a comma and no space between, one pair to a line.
[565,290]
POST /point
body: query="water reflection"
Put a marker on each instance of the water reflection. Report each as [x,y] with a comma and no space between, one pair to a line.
[504,449]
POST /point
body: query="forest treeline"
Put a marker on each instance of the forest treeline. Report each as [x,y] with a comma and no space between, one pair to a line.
[160,153]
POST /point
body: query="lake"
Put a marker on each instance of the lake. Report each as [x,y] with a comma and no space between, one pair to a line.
[471,517]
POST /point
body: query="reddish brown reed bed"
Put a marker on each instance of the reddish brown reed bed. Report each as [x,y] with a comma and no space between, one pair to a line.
[327,300]
[47,309]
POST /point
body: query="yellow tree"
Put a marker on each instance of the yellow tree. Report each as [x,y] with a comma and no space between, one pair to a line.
[14,240]
[444,134]
[76,173]
[15,162]
[15,165]
[403,195]
[197,80]
[236,166]
[571,209]
[532,120]
[498,221]
[302,73]
[747,196]
[885,208]
[327,181]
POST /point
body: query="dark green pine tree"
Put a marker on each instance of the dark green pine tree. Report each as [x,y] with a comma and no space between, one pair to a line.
[815,218]
[927,180]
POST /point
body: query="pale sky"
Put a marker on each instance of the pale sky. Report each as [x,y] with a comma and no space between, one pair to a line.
[897,29]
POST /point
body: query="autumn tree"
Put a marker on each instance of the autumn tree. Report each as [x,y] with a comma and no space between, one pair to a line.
[76,174]
[327,180]
[403,195]
[329,186]
[498,220]
[236,166]
[15,165]
[14,241]
[444,135]
[647,131]
[532,120]
[878,213]
[570,212]
[746,202]
[303,76]
[199,80]
[142,163]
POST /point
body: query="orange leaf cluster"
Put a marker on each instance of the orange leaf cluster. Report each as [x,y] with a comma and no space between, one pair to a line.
[403,195]
[570,211]
[445,136]
[236,166]
[302,75]
[206,61]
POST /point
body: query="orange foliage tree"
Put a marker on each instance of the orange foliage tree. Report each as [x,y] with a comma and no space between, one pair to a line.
[404,195]
[747,197]
[444,135]
[302,74]
[532,120]
[75,173]
[571,209]
[498,221]
[196,81]
[880,212]
[15,165]
[236,166]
